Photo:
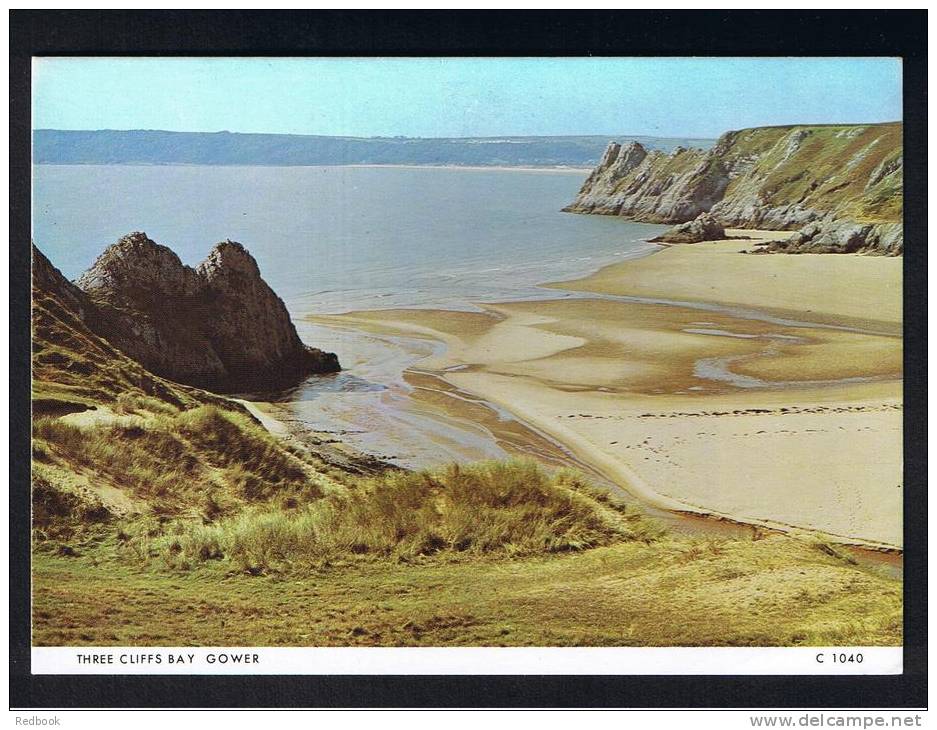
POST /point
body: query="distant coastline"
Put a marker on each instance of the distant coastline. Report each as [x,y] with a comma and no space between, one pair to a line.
[137,147]
[579,170]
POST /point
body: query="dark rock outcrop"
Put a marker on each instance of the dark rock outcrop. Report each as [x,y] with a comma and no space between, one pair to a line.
[840,237]
[218,326]
[74,368]
[840,186]
[702,228]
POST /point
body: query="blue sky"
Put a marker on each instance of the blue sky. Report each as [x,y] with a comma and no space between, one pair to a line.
[433,97]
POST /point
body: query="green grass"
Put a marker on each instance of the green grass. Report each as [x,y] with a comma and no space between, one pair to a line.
[492,554]
[511,508]
[672,592]
[175,463]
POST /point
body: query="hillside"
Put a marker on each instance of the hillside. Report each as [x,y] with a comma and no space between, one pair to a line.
[839,186]
[152,147]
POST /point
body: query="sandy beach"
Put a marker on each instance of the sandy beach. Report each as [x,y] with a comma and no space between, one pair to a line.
[771,396]
[842,289]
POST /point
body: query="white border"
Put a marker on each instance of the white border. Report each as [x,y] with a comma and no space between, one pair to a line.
[469,660]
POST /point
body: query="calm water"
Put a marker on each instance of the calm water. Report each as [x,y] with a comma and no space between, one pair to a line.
[331,239]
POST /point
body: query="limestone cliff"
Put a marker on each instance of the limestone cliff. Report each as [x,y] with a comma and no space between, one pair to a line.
[218,326]
[840,186]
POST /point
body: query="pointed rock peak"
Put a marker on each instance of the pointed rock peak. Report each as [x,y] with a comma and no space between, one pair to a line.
[228,256]
[219,326]
[137,262]
[138,243]
[627,154]
[136,237]
[631,154]
[626,159]
[633,146]
[610,154]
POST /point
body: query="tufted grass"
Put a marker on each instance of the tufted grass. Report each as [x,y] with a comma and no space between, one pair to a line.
[511,508]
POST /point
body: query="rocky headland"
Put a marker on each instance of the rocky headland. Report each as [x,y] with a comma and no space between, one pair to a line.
[217,326]
[838,186]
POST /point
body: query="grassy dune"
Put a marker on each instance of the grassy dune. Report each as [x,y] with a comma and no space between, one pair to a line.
[492,554]
[204,461]
[671,592]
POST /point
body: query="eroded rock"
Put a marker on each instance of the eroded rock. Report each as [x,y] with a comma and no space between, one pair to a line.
[217,326]
[702,228]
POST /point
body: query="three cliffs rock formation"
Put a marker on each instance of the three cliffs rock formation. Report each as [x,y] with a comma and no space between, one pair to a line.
[839,186]
[217,326]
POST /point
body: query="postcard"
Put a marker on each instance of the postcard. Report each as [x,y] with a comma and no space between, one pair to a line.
[491,365]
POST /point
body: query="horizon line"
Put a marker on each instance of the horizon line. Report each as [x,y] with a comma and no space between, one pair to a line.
[489,136]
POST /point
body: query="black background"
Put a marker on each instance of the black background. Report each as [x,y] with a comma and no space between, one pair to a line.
[470,33]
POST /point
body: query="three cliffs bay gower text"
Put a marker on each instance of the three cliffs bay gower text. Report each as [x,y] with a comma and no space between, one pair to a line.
[695,443]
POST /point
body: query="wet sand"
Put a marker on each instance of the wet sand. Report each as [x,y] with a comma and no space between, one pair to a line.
[787,417]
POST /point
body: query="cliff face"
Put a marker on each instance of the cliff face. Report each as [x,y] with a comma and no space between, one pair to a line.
[653,187]
[839,186]
[217,326]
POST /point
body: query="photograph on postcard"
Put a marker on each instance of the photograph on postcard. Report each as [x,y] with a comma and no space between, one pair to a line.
[555,353]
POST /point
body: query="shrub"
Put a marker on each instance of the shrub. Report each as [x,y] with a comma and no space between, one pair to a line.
[55,431]
[132,403]
[229,439]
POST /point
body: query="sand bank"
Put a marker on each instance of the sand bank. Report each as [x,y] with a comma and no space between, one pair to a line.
[841,288]
[787,426]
